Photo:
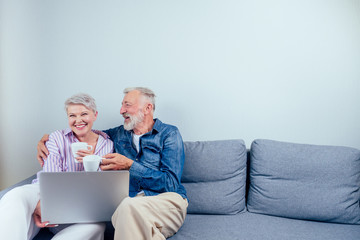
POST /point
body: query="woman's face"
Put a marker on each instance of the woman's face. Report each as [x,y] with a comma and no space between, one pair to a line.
[81,119]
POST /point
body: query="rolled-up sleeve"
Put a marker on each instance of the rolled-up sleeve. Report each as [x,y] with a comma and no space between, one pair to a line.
[53,163]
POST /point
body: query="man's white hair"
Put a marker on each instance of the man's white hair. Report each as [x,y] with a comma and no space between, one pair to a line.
[146,92]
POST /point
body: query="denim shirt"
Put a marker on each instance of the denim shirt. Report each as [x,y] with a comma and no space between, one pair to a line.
[158,166]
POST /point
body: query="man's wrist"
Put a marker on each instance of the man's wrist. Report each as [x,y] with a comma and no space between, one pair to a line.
[130,163]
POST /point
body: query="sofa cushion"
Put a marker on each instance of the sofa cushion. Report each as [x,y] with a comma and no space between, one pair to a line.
[252,226]
[214,176]
[23,182]
[301,181]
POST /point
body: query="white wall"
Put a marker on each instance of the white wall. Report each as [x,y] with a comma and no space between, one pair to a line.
[222,69]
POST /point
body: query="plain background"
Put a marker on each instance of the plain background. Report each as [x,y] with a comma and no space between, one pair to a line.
[222,69]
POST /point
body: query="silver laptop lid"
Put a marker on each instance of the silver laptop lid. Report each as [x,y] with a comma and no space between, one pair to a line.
[81,197]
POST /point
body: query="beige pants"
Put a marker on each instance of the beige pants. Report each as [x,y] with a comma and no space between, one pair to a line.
[149,217]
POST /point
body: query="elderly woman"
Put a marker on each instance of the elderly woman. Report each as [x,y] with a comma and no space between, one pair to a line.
[20,216]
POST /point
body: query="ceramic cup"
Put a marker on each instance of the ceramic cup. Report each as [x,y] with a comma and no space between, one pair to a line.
[75,147]
[91,163]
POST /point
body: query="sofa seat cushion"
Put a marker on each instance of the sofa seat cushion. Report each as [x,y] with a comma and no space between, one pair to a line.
[215,176]
[302,181]
[23,182]
[252,226]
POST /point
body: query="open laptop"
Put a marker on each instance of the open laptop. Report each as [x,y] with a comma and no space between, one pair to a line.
[81,197]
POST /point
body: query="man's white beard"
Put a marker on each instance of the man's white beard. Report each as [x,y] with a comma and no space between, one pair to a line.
[134,120]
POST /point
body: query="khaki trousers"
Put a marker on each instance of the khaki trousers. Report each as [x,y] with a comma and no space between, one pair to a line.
[149,217]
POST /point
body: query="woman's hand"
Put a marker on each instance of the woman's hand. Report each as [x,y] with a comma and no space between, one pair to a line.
[42,151]
[37,218]
[82,153]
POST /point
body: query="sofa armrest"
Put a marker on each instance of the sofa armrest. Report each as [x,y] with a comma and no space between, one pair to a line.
[23,182]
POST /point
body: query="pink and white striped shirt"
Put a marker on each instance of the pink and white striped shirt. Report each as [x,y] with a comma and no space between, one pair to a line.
[60,158]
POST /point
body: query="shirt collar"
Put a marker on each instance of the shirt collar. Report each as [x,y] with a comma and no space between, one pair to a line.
[156,128]
[157,125]
[68,132]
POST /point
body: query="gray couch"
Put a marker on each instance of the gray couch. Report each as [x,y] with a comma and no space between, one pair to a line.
[276,190]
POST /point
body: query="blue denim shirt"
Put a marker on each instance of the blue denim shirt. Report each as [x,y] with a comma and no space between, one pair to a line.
[158,166]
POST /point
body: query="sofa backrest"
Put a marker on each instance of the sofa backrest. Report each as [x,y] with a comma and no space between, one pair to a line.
[215,176]
[301,181]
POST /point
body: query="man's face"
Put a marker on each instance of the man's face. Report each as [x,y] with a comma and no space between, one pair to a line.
[132,110]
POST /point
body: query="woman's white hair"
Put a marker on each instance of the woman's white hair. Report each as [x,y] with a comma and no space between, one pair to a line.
[146,92]
[81,98]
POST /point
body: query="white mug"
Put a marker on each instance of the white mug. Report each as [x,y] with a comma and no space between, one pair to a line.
[91,163]
[76,146]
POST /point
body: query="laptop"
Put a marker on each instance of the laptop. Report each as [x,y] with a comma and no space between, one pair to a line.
[81,197]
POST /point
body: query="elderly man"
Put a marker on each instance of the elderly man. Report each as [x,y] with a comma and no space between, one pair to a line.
[153,152]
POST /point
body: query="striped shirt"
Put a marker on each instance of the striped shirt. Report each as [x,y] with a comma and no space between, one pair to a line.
[60,158]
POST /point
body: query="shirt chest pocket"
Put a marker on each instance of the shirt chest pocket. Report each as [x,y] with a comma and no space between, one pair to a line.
[125,149]
[151,156]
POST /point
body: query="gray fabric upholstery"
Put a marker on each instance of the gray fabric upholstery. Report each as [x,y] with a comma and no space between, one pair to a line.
[25,181]
[251,226]
[302,181]
[215,176]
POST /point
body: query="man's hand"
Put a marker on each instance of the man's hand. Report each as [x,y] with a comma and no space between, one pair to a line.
[115,161]
[42,151]
[37,218]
